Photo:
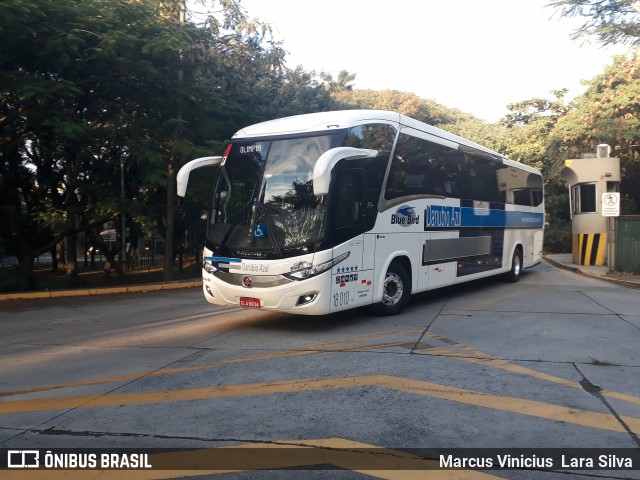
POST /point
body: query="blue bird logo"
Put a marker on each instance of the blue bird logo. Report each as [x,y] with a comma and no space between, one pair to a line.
[405,216]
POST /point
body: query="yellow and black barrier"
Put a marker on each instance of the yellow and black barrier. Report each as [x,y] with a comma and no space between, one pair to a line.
[589,248]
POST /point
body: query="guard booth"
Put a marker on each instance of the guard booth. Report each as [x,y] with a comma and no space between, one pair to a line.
[588,179]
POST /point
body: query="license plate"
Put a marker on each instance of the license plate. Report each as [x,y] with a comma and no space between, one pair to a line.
[249,302]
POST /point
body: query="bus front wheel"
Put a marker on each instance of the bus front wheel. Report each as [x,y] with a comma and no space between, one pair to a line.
[516,267]
[396,290]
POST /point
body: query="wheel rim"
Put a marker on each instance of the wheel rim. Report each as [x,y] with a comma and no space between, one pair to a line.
[392,289]
[516,265]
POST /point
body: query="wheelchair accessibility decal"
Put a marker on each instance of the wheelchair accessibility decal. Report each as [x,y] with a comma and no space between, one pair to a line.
[259,230]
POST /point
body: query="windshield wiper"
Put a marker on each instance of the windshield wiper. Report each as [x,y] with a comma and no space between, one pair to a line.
[254,201]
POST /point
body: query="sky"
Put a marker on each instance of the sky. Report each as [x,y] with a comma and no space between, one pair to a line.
[476,56]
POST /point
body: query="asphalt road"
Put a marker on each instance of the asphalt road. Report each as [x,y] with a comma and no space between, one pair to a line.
[550,362]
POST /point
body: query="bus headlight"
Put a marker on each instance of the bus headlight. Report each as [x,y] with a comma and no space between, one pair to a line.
[208,266]
[304,270]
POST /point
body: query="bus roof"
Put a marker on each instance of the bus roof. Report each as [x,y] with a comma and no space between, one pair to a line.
[315,122]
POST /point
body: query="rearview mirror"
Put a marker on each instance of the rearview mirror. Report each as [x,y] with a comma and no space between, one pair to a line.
[183,174]
[329,159]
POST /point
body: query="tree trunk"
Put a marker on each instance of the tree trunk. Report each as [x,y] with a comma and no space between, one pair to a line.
[72,250]
[54,259]
[169,228]
[171,170]
[61,260]
[72,260]
[25,258]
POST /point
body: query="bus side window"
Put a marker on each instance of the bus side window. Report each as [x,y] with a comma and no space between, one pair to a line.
[421,167]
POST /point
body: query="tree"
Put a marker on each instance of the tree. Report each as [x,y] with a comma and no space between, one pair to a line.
[608,112]
[342,83]
[610,21]
[528,127]
[402,102]
[51,100]
[76,80]
[84,87]
[220,68]
[299,91]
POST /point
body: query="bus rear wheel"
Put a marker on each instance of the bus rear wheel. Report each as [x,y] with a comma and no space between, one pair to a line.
[516,267]
[396,290]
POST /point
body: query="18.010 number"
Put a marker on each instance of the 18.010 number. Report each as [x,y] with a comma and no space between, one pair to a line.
[341,299]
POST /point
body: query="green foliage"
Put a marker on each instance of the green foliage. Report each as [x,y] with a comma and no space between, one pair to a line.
[342,83]
[610,21]
[628,205]
[491,135]
[86,86]
[556,199]
[528,127]
[608,112]
[402,102]
[557,233]
[557,236]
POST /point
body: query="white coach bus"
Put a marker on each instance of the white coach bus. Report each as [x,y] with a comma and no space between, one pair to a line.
[328,211]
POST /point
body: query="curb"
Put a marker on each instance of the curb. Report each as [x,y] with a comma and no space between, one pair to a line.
[100,291]
[581,271]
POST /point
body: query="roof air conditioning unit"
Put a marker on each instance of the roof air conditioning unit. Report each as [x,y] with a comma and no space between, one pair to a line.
[604,150]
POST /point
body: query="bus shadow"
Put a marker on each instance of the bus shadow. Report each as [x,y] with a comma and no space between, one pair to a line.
[314,323]
[431,299]
[448,293]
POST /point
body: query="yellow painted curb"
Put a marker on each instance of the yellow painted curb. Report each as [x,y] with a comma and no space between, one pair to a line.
[99,291]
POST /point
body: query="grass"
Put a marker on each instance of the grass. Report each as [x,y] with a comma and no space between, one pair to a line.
[601,363]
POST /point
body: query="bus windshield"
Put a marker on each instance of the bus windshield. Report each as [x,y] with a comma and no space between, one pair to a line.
[263,203]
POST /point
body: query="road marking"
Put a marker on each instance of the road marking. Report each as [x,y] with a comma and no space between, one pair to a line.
[482,358]
[380,463]
[541,410]
[515,405]
[478,357]
[318,348]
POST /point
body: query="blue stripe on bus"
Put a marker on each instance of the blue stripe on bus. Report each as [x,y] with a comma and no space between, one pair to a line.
[440,216]
[224,259]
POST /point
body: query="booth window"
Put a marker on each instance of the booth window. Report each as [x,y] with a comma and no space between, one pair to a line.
[583,198]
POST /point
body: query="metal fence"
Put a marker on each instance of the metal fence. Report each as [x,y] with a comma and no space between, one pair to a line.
[627,241]
[157,263]
[146,263]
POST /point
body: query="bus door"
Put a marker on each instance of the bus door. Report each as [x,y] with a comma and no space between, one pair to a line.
[351,285]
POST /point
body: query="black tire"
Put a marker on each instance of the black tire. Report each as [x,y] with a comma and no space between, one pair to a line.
[396,291]
[516,267]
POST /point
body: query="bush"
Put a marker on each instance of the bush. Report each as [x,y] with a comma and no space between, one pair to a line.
[557,237]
